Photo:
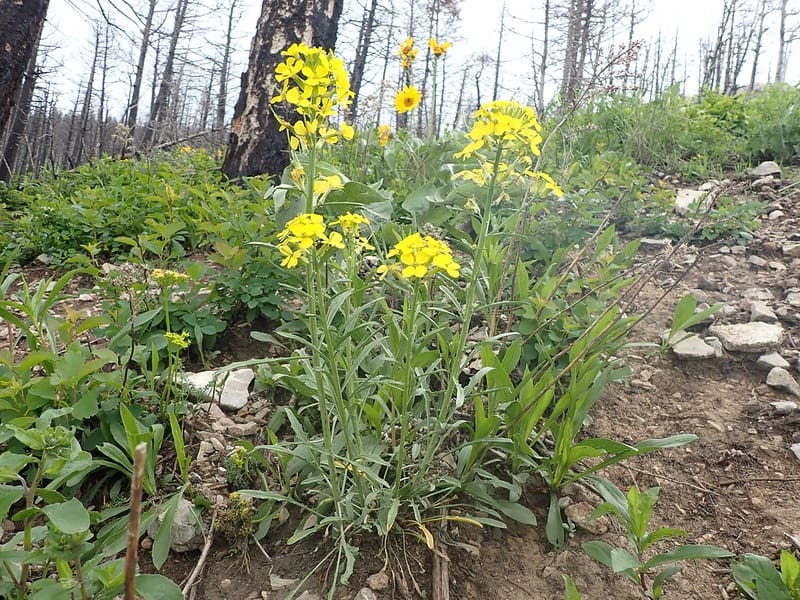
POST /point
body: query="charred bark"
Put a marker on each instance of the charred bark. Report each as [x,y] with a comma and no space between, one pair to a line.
[256,145]
[20,24]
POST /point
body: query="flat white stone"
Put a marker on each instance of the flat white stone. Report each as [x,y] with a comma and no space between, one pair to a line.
[691,347]
[749,337]
[685,198]
[772,360]
[232,388]
[759,311]
[781,379]
[784,407]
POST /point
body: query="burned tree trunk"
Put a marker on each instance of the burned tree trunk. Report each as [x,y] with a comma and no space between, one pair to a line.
[20,24]
[256,145]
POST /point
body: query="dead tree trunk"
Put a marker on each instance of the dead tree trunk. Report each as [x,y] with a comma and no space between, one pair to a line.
[161,104]
[77,150]
[20,24]
[133,105]
[21,113]
[360,62]
[222,95]
[256,145]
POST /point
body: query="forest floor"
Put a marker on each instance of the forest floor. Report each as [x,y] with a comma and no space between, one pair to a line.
[737,487]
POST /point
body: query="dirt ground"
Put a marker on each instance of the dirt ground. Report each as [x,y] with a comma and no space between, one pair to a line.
[738,487]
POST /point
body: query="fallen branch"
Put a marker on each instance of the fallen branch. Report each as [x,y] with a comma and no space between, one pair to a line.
[203,555]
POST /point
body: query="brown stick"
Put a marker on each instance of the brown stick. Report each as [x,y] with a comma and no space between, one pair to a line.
[440,586]
[203,555]
[131,556]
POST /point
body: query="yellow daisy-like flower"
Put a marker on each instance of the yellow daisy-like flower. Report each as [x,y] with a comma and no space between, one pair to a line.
[407,99]
[420,256]
[438,49]
[180,340]
[384,134]
[167,278]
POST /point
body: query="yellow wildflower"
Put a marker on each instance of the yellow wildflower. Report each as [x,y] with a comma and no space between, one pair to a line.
[297,174]
[347,131]
[180,340]
[350,224]
[167,278]
[407,99]
[384,134]
[437,48]
[507,123]
[323,185]
[420,256]
[302,233]
[408,53]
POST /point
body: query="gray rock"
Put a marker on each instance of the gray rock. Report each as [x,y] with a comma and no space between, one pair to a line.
[756,261]
[793,298]
[654,243]
[691,346]
[378,581]
[685,199]
[791,250]
[795,448]
[365,594]
[768,167]
[309,595]
[243,429]
[232,388]
[45,259]
[764,181]
[762,294]
[777,265]
[775,215]
[749,337]
[186,534]
[784,407]
[781,379]
[772,360]
[278,583]
[716,345]
[759,311]
[579,514]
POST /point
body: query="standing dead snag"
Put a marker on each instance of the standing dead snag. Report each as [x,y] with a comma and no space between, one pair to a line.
[257,146]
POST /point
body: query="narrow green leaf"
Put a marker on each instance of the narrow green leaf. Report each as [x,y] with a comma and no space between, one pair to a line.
[687,552]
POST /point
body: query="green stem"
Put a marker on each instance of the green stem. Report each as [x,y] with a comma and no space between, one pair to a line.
[406,395]
[457,352]
[311,175]
[27,544]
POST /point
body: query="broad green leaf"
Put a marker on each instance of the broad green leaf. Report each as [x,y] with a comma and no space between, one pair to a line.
[163,537]
[9,495]
[687,552]
[571,592]
[69,517]
[622,560]
[554,528]
[157,587]
[790,570]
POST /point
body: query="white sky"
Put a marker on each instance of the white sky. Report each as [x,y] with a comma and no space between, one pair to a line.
[693,20]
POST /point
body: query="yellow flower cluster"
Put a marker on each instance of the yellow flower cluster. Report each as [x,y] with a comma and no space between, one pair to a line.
[437,48]
[167,278]
[408,53]
[315,82]
[509,175]
[325,184]
[384,134]
[407,99]
[351,227]
[508,123]
[420,256]
[308,230]
[180,340]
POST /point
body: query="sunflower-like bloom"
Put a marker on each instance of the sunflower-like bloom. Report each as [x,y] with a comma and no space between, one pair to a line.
[167,278]
[315,82]
[438,49]
[407,99]
[507,123]
[420,256]
[408,53]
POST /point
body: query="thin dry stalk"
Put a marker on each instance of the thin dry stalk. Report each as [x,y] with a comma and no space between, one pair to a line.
[131,555]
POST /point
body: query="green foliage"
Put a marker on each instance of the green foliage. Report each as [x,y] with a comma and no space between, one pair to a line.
[758,579]
[648,570]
